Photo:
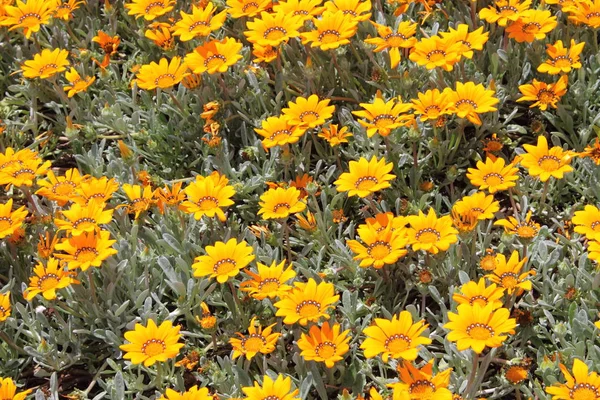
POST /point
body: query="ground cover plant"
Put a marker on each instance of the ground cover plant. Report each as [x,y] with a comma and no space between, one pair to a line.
[301,199]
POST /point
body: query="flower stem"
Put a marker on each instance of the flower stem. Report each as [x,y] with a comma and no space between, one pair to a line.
[544,194]
[472,376]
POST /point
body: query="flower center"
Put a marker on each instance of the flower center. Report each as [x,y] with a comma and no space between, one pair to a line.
[207,203]
[365,182]
[488,263]
[432,110]
[281,134]
[546,96]
[493,179]
[379,250]
[584,391]
[395,39]
[308,308]
[28,173]
[329,36]
[595,226]
[479,299]
[269,285]
[253,343]
[250,7]
[281,205]
[549,163]
[3,312]
[422,387]
[507,11]
[436,55]
[165,80]
[326,350]
[383,120]
[466,104]
[427,235]
[5,223]
[309,116]
[562,61]
[480,331]
[531,27]
[196,24]
[215,61]
[526,231]
[476,211]
[224,266]
[154,347]
[509,280]
[397,343]
[47,282]
[152,6]
[30,19]
[274,33]
[85,221]
[86,254]
[593,15]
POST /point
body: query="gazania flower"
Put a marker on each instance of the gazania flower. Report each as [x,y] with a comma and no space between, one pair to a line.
[79,219]
[246,8]
[357,9]
[382,221]
[163,75]
[4,311]
[10,158]
[77,83]
[303,9]
[516,374]
[382,117]
[201,22]
[207,321]
[582,385]
[470,100]
[264,54]
[269,281]
[526,229]
[331,31]
[594,253]
[402,38]
[545,163]
[259,340]
[109,44]
[478,327]
[280,203]
[11,221]
[334,135]
[382,247]
[149,9]
[223,260]
[306,302]
[23,172]
[396,338]
[508,274]
[46,64]
[592,151]
[326,344]
[8,390]
[140,198]
[46,244]
[278,131]
[478,293]
[47,279]
[532,25]
[280,389]
[585,12]
[481,206]
[587,222]
[562,60]
[365,177]
[469,40]
[308,112]
[504,11]
[273,29]
[150,344]
[493,144]
[89,249]
[160,34]
[208,195]
[489,261]
[65,9]
[30,16]
[432,105]
[99,190]
[194,393]
[544,94]
[430,233]
[436,52]
[419,383]
[564,5]
[308,223]
[494,175]
[169,196]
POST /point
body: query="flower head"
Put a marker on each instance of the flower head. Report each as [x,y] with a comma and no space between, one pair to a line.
[587,222]
[224,260]
[150,344]
[258,340]
[421,384]
[201,22]
[214,56]
[88,249]
[478,293]
[493,175]
[163,75]
[47,279]
[561,59]
[332,30]
[79,219]
[149,9]
[280,389]
[77,84]
[358,10]
[365,177]
[430,233]
[46,64]
[432,105]
[98,190]
[585,12]
[582,385]
[246,8]
[269,281]
[11,221]
[8,390]
[306,302]
[504,11]
[308,112]
[280,203]
[208,195]
[469,100]
[545,163]
[334,135]
[380,247]
[193,393]
[140,198]
[325,344]
[4,310]
[532,25]
[65,9]
[526,228]
[160,34]
[30,16]
[544,94]
[469,40]
[382,117]
[393,41]
[279,131]
[436,52]
[273,29]
[508,276]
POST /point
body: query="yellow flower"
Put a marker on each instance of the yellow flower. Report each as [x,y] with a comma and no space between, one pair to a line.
[432,105]
[488,262]
[77,83]
[469,100]
[223,260]
[259,340]
[150,344]
[585,12]
[544,94]
[30,16]
[46,64]
[269,281]
[357,9]
[303,9]
[46,244]
[504,11]
[582,385]
[279,389]
[483,207]
[162,75]
[273,29]
[508,274]
[89,249]
[278,131]
[478,293]
[79,219]
[516,374]
[562,60]
[545,163]
[587,222]
[140,198]
[11,220]
[365,177]
[382,117]
[384,246]
[494,175]
[169,196]
[308,223]
[326,344]
[160,34]
[246,8]
[47,279]
[435,52]
[532,25]
[430,233]
[396,338]
[207,196]
[264,53]
[334,135]
[306,302]
[201,22]
[469,40]
[525,229]
[99,190]
[8,390]
[393,41]
[65,9]
[332,30]
[4,310]
[308,112]
[149,9]
[208,321]
[477,327]
[280,203]
[194,393]
[420,384]
[22,172]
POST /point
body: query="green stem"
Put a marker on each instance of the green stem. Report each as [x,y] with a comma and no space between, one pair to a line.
[544,194]
[472,376]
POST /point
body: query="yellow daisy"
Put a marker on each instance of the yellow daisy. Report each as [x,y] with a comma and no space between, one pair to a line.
[223,260]
[278,131]
[365,177]
[258,340]
[280,203]
[545,163]
[306,302]
[430,233]
[8,390]
[587,222]
[201,22]
[273,29]
[493,175]
[208,195]
[47,279]
[480,205]
[331,31]
[382,117]
[269,281]
[4,309]
[77,84]
[163,75]
[30,16]
[478,293]
[508,276]
[308,112]
[380,247]
[149,9]
[325,344]
[526,228]
[11,221]
[89,249]
[193,393]
[421,384]
[278,389]
[582,385]
[150,344]
[80,219]
[214,56]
